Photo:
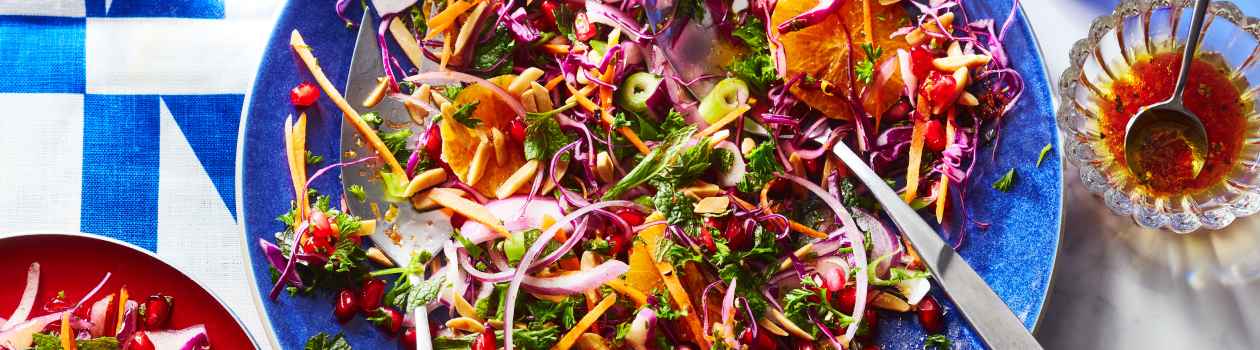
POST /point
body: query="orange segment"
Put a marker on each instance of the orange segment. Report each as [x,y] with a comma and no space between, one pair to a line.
[821,51]
[459,143]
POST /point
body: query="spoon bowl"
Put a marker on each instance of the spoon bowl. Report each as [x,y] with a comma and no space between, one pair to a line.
[1153,126]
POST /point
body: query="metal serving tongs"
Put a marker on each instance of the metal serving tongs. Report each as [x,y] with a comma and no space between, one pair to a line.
[988,314]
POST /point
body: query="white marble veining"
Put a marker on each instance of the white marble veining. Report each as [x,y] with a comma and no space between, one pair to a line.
[1117,286]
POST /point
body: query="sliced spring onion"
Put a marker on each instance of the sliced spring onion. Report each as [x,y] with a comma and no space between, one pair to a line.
[635,92]
[725,97]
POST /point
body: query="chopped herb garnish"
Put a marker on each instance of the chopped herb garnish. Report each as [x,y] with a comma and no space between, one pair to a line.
[866,68]
[356,191]
[937,342]
[543,136]
[762,166]
[322,341]
[312,158]
[1044,152]
[1004,184]
[464,115]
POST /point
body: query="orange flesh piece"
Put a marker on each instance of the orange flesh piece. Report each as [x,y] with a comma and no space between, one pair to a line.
[459,142]
[821,51]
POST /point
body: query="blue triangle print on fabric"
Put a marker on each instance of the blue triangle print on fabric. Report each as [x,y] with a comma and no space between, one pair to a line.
[210,124]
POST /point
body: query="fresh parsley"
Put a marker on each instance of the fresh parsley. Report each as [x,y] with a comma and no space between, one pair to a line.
[43,341]
[494,57]
[396,142]
[756,69]
[753,33]
[543,136]
[464,115]
[372,119]
[322,341]
[866,68]
[356,191]
[1005,183]
[664,306]
[312,158]
[937,342]
[563,313]
[761,168]
[1044,152]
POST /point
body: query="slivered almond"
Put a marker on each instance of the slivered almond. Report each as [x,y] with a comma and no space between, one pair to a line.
[771,327]
[604,166]
[522,176]
[915,37]
[591,341]
[469,209]
[422,202]
[788,325]
[542,97]
[953,63]
[561,168]
[438,99]
[377,256]
[466,324]
[478,165]
[523,80]
[377,94]
[366,228]
[967,99]
[746,147]
[718,137]
[961,79]
[406,41]
[888,301]
[955,49]
[465,31]
[713,205]
[424,180]
[946,19]
[701,189]
[463,308]
[500,146]
[529,102]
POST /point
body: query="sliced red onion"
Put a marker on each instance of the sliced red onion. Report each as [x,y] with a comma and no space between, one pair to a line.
[642,329]
[428,107]
[447,77]
[28,298]
[577,282]
[883,241]
[191,338]
[597,12]
[21,335]
[465,262]
[454,275]
[728,315]
[519,275]
[424,340]
[833,267]
[855,238]
[97,315]
[510,211]
[291,264]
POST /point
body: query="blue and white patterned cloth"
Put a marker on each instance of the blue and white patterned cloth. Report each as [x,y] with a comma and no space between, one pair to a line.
[120,118]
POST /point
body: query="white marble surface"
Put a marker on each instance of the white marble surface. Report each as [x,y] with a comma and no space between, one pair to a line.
[1120,287]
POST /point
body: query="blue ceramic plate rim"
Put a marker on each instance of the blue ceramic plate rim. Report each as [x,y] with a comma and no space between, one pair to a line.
[336,65]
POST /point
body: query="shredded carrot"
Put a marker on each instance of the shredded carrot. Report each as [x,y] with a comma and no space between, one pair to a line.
[447,49]
[798,227]
[67,335]
[551,84]
[916,157]
[591,316]
[581,97]
[943,191]
[650,238]
[293,168]
[721,123]
[351,116]
[299,161]
[635,295]
[556,49]
[446,19]
[122,308]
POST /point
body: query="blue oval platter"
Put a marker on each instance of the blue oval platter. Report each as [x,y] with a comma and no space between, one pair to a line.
[1015,254]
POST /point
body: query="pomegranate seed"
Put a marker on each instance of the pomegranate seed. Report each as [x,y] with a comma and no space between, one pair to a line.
[736,236]
[303,95]
[157,311]
[934,138]
[408,339]
[140,341]
[388,320]
[518,130]
[931,316]
[939,89]
[870,325]
[618,244]
[347,305]
[762,341]
[485,341]
[373,292]
[320,227]
[433,142]
[921,61]
[631,216]
[707,238]
[583,27]
[848,299]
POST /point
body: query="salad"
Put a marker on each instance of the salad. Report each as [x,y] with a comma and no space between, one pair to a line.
[95,322]
[647,174]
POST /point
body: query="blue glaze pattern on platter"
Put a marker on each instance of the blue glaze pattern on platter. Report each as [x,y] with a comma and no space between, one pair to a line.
[1015,254]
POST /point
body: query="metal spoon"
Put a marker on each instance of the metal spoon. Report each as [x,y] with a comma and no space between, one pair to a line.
[1170,115]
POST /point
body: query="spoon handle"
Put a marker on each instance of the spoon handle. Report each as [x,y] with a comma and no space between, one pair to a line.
[1192,45]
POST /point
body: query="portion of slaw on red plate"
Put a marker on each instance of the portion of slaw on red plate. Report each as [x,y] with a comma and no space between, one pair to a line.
[651,174]
[95,322]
